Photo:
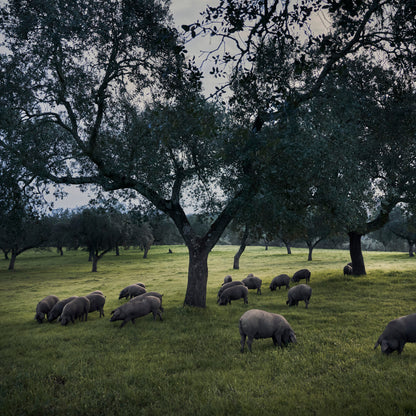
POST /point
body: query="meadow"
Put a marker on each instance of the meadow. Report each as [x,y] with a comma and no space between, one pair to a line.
[190,363]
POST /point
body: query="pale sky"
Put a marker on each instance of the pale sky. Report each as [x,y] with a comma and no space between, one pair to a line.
[184,12]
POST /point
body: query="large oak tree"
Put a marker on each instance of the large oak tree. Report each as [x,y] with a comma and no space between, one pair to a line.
[106,97]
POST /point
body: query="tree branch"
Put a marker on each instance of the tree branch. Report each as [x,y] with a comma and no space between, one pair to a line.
[338,55]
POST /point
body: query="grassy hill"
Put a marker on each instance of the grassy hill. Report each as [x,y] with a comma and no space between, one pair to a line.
[190,363]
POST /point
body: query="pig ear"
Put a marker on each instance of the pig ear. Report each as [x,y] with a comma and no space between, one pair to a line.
[376,345]
[293,338]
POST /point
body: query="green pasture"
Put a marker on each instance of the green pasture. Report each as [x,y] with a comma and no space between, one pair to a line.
[190,363]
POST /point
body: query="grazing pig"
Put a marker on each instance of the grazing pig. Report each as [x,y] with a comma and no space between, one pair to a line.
[131,291]
[347,269]
[155,294]
[233,293]
[77,308]
[58,307]
[397,333]
[97,302]
[252,282]
[227,279]
[227,285]
[301,274]
[278,281]
[137,308]
[297,293]
[256,323]
[136,290]
[44,307]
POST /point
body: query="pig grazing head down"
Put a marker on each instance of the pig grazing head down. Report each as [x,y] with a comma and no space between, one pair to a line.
[397,333]
[298,293]
[301,274]
[137,308]
[233,293]
[257,323]
[278,281]
[58,308]
[252,282]
[44,307]
[132,291]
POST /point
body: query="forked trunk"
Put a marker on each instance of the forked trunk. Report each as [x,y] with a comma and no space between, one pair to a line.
[358,267]
[196,291]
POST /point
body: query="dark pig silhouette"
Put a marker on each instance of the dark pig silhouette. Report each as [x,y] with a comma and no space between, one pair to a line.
[45,306]
[297,293]
[397,333]
[233,293]
[279,281]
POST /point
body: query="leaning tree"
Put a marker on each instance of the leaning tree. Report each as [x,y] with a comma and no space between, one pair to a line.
[106,96]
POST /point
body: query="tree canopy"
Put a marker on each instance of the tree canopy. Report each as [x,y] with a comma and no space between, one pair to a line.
[102,93]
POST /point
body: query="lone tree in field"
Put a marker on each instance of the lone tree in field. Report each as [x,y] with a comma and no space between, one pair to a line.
[97,230]
[106,96]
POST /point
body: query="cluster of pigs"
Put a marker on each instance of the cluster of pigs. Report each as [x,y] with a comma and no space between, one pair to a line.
[234,290]
[141,303]
[254,323]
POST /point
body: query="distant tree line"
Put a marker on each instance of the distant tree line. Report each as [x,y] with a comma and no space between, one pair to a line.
[99,230]
[94,229]
[398,234]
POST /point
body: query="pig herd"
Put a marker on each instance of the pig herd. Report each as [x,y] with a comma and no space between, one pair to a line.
[139,303]
[253,324]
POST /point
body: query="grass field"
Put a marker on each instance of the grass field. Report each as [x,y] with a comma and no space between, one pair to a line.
[190,363]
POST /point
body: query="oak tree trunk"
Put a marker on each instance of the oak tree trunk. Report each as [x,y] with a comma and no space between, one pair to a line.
[411,243]
[287,245]
[94,262]
[197,277]
[310,247]
[12,260]
[358,267]
[240,251]
[146,250]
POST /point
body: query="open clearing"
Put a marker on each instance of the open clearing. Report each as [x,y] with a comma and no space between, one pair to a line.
[190,363]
